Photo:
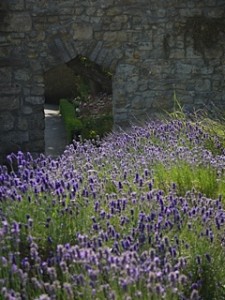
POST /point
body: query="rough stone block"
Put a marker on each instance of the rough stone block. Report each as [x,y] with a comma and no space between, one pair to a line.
[22,124]
[36,134]
[110,36]
[202,85]
[6,74]
[115,26]
[218,85]
[38,90]
[18,22]
[15,138]
[82,31]
[138,102]
[9,102]
[183,68]
[113,11]
[146,46]
[16,4]
[6,121]
[37,146]
[27,110]
[36,121]
[35,100]
[96,51]
[132,85]
[23,75]
[60,50]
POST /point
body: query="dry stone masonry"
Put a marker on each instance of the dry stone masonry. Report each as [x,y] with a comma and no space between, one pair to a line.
[153,48]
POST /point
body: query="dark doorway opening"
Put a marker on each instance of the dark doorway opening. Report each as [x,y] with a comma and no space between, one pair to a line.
[83,92]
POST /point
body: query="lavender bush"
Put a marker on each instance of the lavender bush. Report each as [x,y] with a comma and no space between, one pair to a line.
[139,216]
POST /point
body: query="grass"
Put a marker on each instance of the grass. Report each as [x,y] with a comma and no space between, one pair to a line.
[139,217]
[203,179]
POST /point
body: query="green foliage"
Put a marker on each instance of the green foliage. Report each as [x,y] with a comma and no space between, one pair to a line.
[200,178]
[83,87]
[72,124]
[215,130]
[86,127]
[211,122]
[93,127]
[177,113]
[205,258]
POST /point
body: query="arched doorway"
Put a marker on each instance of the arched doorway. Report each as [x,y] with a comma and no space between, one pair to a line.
[87,88]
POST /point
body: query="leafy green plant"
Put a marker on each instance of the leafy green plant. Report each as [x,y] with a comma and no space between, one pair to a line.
[83,88]
[93,127]
[201,178]
[87,127]
[72,124]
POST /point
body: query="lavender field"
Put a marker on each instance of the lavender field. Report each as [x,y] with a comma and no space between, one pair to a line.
[139,216]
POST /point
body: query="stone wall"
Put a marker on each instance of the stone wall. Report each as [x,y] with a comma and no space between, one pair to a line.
[152,47]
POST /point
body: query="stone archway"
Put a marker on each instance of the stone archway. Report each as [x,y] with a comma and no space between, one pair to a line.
[87,88]
[74,65]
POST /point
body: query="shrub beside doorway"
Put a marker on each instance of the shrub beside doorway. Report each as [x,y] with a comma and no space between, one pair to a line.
[80,123]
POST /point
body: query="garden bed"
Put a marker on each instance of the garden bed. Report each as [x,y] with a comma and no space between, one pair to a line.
[142,216]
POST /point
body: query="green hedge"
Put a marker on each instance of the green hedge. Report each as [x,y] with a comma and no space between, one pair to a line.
[93,127]
[87,127]
[72,124]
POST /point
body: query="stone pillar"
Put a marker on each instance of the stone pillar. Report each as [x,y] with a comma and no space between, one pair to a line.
[21,86]
[11,137]
[32,113]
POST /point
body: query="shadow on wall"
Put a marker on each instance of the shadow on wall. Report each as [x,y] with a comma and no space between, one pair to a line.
[3,14]
[59,83]
[78,77]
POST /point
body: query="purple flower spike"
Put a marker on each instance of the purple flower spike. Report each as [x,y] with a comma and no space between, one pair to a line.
[198,260]
[195,295]
[68,291]
[15,228]
[172,277]
[159,289]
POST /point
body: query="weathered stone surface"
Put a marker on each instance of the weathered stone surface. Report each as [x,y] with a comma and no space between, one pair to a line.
[14,139]
[152,49]
[36,121]
[203,85]
[27,110]
[6,121]
[38,146]
[23,75]
[18,22]
[184,68]
[9,102]
[22,124]
[6,73]
[82,31]
[35,100]
[16,4]
[138,103]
